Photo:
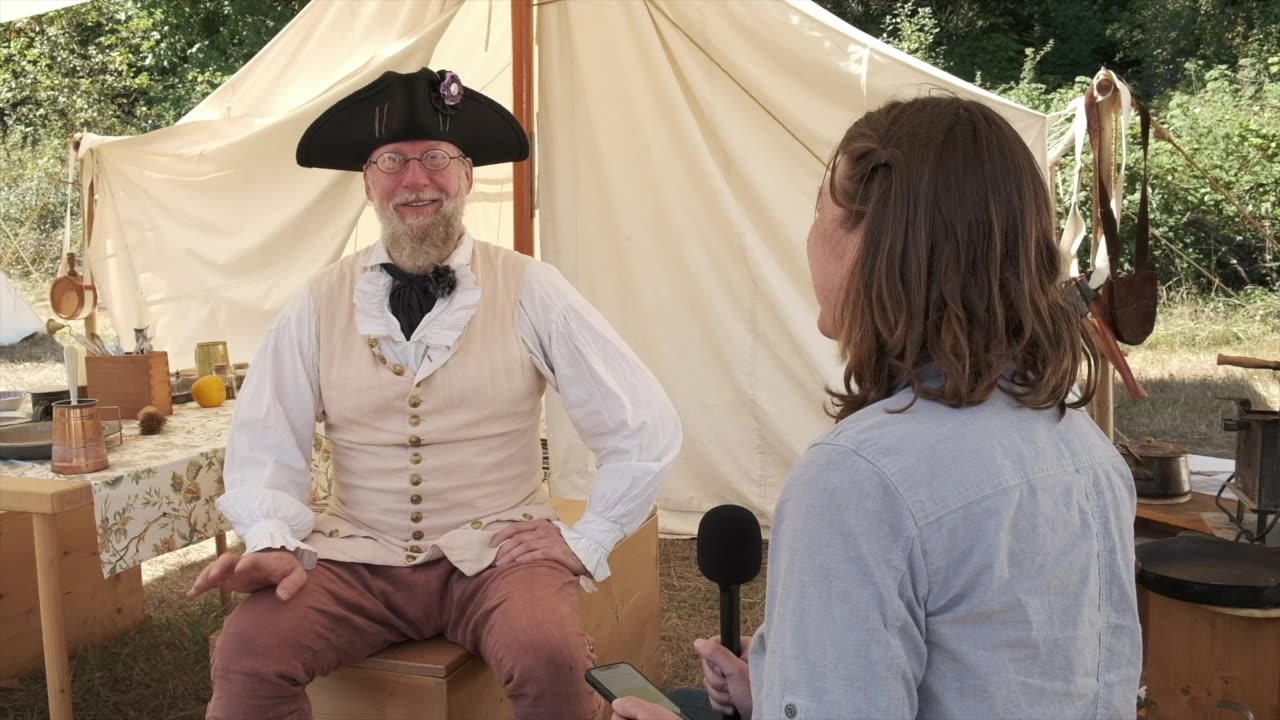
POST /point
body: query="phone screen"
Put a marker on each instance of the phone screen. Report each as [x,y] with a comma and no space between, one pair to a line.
[623,680]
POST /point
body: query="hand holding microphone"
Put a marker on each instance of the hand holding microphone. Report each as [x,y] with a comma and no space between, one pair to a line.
[726,676]
[729,554]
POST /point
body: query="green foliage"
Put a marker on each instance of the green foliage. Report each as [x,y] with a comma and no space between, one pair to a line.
[1228,120]
[125,66]
[113,67]
[913,30]
[1210,71]
[1147,41]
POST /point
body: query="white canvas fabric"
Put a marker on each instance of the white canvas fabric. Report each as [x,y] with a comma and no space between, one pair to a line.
[678,149]
[17,319]
[18,9]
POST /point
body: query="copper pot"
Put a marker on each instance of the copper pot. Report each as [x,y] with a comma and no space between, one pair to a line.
[78,443]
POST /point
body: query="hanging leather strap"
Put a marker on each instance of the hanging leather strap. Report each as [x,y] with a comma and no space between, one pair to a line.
[1110,227]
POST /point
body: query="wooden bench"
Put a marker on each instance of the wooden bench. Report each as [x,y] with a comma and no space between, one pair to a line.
[437,680]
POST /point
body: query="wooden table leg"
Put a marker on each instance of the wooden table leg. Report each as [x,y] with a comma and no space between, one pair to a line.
[220,545]
[52,621]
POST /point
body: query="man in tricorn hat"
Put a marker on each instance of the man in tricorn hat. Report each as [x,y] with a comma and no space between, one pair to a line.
[426,357]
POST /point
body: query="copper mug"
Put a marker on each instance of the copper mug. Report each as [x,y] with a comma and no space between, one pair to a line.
[78,443]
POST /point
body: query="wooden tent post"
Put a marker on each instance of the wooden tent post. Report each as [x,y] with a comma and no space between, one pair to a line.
[1103,406]
[522,99]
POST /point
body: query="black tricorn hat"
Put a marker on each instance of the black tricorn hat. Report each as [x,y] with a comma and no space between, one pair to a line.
[423,105]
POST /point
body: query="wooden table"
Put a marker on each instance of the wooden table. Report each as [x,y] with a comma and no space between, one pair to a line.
[157,497]
[1173,519]
[46,500]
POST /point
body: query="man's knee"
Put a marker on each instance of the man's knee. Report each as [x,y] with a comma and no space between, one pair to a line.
[544,673]
[256,645]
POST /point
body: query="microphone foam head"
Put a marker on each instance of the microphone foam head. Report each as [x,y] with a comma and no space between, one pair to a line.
[729,545]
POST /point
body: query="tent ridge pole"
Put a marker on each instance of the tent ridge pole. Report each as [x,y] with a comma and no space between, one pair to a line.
[522,99]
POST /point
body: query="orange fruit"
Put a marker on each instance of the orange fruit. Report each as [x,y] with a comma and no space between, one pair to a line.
[209,391]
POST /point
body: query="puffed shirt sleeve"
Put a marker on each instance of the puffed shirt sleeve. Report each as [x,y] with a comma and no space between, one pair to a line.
[268,465]
[615,403]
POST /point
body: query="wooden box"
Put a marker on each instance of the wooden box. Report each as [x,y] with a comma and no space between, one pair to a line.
[96,608]
[1196,656]
[131,382]
[438,680]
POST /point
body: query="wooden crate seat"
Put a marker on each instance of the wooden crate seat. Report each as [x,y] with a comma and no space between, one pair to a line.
[435,679]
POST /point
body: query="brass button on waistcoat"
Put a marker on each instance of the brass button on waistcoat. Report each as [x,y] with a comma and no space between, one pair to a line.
[373,342]
[415,499]
[415,479]
[333,533]
[382,358]
[414,421]
[408,559]
[415,517]
[477,524]
[414,401]
[417,534]
[398,369]
[527,516]
[414,440]
[415,549]
[415,458]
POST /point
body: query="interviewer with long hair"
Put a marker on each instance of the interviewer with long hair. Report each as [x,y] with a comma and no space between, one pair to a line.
[960,544]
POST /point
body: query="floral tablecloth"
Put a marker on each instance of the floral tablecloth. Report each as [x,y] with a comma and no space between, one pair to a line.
[158,494]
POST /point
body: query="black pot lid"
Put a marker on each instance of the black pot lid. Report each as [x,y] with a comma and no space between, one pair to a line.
[1211,571]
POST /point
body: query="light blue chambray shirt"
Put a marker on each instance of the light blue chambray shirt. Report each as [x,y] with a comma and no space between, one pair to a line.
[973,563]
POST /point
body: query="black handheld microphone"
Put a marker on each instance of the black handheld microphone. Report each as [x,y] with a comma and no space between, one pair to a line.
[729,550]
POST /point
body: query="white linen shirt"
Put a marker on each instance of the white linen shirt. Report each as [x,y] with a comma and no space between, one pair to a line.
[617,406]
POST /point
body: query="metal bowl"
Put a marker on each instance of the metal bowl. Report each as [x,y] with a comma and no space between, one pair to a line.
[34,441]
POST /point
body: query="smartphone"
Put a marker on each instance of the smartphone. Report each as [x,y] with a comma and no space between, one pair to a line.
[624,680]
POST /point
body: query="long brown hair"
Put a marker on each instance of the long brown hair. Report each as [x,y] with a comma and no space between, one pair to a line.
[957,263]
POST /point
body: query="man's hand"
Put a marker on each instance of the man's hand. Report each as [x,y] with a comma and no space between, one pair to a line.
[535,540]
[252,572]
[633,708]
[726,678]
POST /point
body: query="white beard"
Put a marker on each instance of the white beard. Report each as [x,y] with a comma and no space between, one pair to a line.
[417,247]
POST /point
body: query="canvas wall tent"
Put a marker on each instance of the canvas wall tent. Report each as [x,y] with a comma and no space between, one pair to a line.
[17,319]
[679,146]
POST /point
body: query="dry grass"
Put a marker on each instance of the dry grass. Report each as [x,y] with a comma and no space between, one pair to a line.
[160,670]
[1177,365]
[691,609]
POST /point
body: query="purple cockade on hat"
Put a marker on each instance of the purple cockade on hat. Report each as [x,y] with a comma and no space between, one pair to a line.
[451,88]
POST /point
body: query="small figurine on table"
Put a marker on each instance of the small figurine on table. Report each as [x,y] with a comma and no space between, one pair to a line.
[142,341]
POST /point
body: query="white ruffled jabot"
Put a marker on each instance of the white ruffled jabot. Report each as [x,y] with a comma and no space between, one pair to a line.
[436,337]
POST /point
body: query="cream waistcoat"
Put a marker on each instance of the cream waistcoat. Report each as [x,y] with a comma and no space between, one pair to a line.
[434,468]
